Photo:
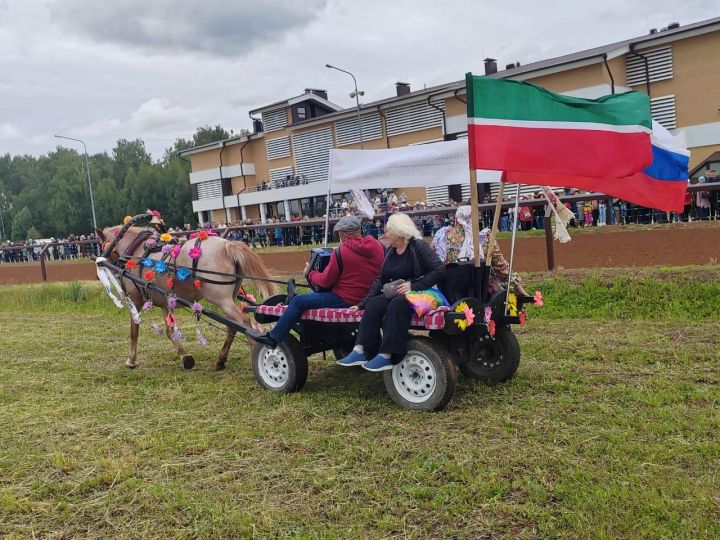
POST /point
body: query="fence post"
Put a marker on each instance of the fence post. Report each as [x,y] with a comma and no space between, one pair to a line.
[549,240]
[42,262]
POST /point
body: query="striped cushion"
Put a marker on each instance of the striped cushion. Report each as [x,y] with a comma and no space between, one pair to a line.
[434,320]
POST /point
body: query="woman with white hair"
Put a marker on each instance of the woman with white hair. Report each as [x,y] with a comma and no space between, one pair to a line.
[410,264]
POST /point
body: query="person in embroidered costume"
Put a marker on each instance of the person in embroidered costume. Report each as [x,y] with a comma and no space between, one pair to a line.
[454,244]
[348,283]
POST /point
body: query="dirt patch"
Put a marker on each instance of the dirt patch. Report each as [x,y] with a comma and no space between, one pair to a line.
[676,245]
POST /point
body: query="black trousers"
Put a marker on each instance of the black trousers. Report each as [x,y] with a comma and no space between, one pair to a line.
[394,317]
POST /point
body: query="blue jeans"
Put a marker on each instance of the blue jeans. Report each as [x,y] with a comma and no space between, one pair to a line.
[298,305]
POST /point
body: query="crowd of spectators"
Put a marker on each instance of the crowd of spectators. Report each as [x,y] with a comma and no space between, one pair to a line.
[699,206]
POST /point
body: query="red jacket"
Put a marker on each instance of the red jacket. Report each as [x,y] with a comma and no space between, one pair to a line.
[361,261]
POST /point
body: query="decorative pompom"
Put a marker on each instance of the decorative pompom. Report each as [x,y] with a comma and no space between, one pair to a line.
[148,262]
[183,274]
[167,248]
[155,213]
[201,339]
[175,253]
[469,315]
[161,267]
[170,282]
[523,318]
[538,299]
[491,327]
[195,253]
[126,219]
[197,308]
[130,265]
[171,302]
[170,319]
[166,237]
[150,243]
[488,314]
[149,275]
[147,306]
[197,283]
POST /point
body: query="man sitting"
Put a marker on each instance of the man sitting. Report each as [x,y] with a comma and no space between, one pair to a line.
[361,261]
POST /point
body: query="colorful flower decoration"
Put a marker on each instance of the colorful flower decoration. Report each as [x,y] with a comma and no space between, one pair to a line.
[155,213]
[126,219]
[115,231]
[183,274]
[197,283]
[166,249]
[201,339]
[251,298]
[161,267]
[130,265]
[150,243]
[147,306]
[175,253]
[197,308]
[148,262]
[195,253]
[170,282]
[538,299]
[170,319]
[523,318]
[491,327]
[460,308]
[158,329]
[149,275]
[202,235]
[469,315]
[105,245]
[166,237]
[488,314]
[171,302]
[177,335]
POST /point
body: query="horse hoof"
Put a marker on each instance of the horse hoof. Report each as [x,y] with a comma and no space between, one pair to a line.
[131,365]
[219,366]
[188,362]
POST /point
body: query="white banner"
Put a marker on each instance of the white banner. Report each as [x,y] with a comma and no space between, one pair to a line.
[422,165]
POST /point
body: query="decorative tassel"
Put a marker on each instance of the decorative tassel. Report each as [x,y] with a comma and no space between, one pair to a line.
[197,309]
[158,329]
[488,314]
[561,233]
[177,335]
[147,306]
[171,302]
[133,311]
[201,339]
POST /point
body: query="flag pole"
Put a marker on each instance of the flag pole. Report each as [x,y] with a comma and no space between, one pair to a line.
[496,219]
[512,245]
[475,216]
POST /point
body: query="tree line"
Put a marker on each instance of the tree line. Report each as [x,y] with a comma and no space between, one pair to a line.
[48,196]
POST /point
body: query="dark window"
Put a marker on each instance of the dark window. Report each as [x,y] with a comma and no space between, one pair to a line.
[302,114]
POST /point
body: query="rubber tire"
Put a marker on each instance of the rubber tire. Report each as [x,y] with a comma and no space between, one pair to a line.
[510,351]
[297,366]
[446,376]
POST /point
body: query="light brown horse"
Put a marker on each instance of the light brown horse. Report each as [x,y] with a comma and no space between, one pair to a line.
[218,255]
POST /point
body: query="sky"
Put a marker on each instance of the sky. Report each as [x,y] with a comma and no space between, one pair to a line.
[158,69]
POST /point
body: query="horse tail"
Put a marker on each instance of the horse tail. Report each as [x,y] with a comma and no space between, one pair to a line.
[248,263]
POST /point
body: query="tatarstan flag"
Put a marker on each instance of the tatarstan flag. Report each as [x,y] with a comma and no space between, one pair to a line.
[520,127]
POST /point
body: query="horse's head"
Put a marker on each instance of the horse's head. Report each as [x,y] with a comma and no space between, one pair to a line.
[109,234]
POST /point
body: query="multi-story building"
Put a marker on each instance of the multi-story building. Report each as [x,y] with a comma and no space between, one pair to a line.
[280,170]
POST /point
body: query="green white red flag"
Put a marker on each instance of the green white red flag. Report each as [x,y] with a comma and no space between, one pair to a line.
[519,127]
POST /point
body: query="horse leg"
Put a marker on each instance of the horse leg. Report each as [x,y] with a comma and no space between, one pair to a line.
[187,360]
[134,332]
[231,311]
[222,357]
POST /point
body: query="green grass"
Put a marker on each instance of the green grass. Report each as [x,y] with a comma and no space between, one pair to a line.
[609,430]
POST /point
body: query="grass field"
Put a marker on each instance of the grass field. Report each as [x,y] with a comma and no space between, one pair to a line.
[609,430]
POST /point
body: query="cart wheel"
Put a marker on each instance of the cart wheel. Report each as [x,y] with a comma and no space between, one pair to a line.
[498,358]
[425,380]
[283,369]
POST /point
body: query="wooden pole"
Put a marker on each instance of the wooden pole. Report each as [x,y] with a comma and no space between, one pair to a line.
[475,217]
[496,218]
[549,240]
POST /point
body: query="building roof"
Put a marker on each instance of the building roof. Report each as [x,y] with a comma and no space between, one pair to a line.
[307,96]
[559,63]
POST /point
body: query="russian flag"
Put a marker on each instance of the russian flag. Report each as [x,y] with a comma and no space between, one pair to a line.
[662,185]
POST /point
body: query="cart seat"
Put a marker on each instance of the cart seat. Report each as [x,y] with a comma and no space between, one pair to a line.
[434,320]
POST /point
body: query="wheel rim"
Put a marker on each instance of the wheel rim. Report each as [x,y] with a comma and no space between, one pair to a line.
[490,356]
[273,367]
[415,378]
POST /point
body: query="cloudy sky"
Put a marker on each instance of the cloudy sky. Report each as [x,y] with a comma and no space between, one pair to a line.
[157,69]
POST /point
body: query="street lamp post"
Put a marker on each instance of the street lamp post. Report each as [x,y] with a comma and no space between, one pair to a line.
[356,95]
[87,167]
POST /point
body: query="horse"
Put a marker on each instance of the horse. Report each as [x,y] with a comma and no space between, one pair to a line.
[218,255]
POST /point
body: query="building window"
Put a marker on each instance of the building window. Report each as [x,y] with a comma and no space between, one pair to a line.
[302,114]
